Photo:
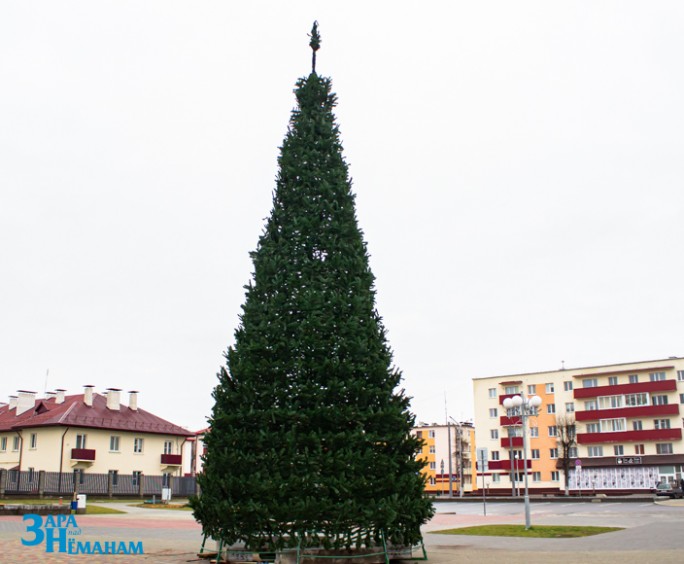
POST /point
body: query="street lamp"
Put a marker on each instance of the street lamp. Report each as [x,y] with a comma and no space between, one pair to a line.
[523,407]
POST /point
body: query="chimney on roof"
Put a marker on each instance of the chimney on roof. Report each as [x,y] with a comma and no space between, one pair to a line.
[12,402]
[49,395]
[88,395]
[133,400]
[59,397]
[113,398]
[26,401]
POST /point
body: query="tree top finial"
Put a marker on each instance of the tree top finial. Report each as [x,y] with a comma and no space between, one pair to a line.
[315,44]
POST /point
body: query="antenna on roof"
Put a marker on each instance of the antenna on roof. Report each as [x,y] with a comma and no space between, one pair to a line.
[47,373]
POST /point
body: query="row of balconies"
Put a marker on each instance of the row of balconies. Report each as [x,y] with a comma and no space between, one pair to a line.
[644,435]
[88,455]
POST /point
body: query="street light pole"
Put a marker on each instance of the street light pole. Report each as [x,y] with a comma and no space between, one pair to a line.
[451,484]
[524,407]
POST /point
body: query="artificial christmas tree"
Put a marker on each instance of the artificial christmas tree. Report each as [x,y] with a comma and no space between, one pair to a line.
[309,439]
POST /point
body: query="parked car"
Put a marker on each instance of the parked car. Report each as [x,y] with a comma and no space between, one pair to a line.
[670,490]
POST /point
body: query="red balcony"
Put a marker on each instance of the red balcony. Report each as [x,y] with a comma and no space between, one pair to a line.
[658,386]
[505,421]
[506,465]
[503,397]
[87,454]
[171,459]
[640,411]
[506,442]
[630,436]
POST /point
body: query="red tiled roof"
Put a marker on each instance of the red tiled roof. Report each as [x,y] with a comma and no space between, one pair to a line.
[74,413]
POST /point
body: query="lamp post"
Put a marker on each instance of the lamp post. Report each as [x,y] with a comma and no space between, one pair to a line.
[459,452]
[523,407]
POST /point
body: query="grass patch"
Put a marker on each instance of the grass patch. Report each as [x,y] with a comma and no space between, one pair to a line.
[537,532]
[171,506]
[99,510]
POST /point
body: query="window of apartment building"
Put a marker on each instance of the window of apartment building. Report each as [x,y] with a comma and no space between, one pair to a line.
[15,443]
[536,476]
[635,400]
[618,450]
[612,380]
[613,425]
[509,390]
[681,398]
[3,444]
[572,453]
[496,478]
[550,408]
[661,423]
[494,434]
[114,443]
[514,431]
[569,407]
[567,385]
[33,443]
[432,450]
[610,402]
[492,392]
[115,477]
[553,453]
[80,441]
[549,388]
[495,455]
[663,448]
[433,466]
[593,428]
[432,481]
[637,425]
[633,378]
[492,412]
[137,475]
[534,431]
[594,451]
[555,476]
[639,449]
[431,434]
[534,454]
[531,389]
[656,376]
[553,431]
[659,400]
[138,444]
[590,405]
[168,447]
[680,375]
[590,383]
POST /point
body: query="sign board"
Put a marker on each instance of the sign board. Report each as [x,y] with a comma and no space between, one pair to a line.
[578,463]
[628,460]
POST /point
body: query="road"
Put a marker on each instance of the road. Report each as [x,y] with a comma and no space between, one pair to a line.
[654,532]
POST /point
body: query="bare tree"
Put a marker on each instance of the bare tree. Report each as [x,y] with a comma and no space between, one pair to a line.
[567,442]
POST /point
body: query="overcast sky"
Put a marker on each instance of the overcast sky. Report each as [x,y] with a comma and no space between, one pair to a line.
[518,168]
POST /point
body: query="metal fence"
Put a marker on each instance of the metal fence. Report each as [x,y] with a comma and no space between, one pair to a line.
[41,483]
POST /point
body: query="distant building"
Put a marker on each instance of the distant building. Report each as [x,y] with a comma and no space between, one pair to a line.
[627,419]
[437,449]
[89,432]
